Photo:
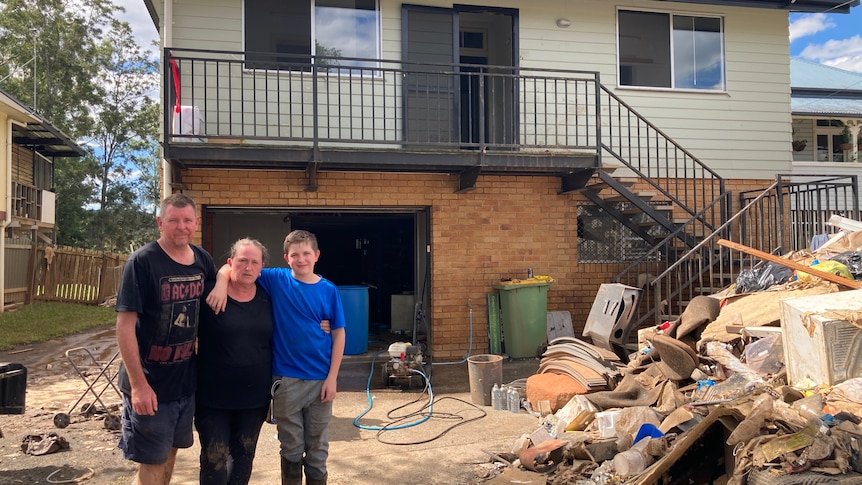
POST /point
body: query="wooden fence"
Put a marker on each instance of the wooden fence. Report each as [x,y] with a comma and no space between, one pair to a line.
[17,274]
[59,273]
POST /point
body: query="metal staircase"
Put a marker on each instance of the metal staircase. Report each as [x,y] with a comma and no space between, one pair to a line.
[681,208]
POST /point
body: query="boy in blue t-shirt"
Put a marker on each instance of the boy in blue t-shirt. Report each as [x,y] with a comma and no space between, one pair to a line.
[305,360]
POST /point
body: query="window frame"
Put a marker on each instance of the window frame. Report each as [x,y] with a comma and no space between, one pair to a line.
[671,53]
[832,132]
[346,70]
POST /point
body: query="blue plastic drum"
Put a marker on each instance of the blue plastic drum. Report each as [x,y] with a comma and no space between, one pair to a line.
[354,300]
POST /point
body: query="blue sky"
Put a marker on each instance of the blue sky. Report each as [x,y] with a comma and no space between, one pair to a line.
[830,39]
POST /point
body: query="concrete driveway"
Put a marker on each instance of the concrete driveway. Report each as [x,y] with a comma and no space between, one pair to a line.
[366,456]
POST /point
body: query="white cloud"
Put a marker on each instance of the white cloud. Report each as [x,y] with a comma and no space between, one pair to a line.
[844,53]
[807,25]
[142,25]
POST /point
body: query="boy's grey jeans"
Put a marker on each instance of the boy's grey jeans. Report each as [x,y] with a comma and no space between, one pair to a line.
[303,423]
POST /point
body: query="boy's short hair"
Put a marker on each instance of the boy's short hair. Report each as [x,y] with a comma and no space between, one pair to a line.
[178,200]
[300,236]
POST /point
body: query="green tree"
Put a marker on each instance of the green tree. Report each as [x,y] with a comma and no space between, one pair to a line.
[62,45]
[125,119]
[82,71]
[74,183]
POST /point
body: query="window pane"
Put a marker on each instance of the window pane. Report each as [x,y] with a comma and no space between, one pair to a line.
[346,28]
[265,31]
[697,53]
[837,152]
[823,148]
[644,43]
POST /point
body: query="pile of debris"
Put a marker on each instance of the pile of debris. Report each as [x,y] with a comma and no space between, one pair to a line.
[761,383]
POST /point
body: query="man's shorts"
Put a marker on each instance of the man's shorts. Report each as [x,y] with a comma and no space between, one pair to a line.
[150,439]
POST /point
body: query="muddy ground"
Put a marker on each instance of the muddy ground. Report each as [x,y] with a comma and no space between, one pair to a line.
[53,387]
[357,456]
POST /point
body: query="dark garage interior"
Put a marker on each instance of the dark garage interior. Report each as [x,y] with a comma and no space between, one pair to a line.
[373,249]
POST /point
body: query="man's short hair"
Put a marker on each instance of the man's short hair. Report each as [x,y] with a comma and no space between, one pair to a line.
[178,200]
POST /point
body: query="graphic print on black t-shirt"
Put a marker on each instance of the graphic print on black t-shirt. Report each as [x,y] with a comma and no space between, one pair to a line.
[179,297]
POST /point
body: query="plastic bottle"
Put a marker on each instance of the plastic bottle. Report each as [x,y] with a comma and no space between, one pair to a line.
[514,401]
[495,397]
[634,460]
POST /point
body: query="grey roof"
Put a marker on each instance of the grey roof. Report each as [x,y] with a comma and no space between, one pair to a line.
[834,6]
[810,6]
[40,135]
[820,90]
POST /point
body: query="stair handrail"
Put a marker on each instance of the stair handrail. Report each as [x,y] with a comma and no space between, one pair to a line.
[659,131]
[680,229]
[720,229]
[697,163]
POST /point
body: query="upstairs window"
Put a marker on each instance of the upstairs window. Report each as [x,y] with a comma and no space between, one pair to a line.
[670,51]
[286,34]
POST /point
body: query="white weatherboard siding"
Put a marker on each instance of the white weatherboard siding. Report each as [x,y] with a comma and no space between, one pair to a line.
[825,169]
[741,133]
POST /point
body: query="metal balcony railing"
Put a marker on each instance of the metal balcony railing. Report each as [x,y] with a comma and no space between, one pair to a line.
[782,218]
[279,99]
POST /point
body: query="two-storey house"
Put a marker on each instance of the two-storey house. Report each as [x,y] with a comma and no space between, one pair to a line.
[438,148]
[27,211]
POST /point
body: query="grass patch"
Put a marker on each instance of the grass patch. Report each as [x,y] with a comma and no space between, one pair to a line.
[40,322]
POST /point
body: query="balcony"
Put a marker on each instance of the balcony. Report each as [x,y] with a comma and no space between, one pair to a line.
[253,110]
[32,205]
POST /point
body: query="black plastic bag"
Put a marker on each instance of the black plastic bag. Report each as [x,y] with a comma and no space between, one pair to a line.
[853,261]
[761,278]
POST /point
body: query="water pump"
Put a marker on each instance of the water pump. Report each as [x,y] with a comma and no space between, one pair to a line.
[401,368]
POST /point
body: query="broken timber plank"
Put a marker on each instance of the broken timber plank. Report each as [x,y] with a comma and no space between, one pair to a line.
[791,264]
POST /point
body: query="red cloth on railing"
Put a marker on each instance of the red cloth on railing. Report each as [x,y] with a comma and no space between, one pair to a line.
[175,72]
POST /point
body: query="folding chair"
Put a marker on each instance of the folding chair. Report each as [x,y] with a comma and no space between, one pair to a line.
[84,363]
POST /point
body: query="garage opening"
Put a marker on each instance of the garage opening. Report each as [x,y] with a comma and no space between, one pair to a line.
[382,249]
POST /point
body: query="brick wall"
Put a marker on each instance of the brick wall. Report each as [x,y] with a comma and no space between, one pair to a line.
[504,226]
[498,230]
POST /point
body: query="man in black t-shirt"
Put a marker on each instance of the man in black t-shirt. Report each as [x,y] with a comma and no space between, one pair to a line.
[157,308]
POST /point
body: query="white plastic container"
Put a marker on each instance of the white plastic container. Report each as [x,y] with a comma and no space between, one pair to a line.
[606,421]
[398,348]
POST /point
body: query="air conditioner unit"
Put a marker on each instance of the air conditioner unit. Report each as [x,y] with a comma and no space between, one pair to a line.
[822,345]
[188,121]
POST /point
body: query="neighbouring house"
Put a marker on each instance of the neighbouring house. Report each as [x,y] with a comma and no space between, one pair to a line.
[31,144]
[438,148]
[826,104]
